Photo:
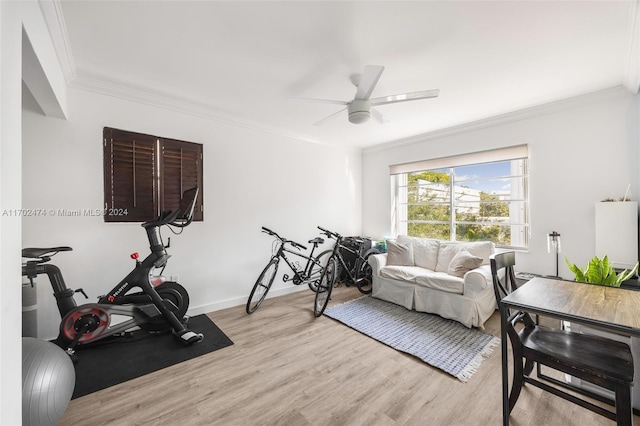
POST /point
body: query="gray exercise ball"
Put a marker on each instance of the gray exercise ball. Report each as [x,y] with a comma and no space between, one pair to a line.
[48,379]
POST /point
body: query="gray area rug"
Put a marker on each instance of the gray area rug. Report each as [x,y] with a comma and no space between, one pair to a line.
[442,343]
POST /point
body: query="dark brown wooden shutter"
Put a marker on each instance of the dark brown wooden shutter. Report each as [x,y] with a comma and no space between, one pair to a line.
[130,176]
[145,175]
[180,170]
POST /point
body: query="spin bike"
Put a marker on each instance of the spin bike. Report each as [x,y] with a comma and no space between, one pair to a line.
[158,306]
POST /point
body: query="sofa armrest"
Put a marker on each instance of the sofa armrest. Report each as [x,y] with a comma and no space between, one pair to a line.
[477,281]
[377,262]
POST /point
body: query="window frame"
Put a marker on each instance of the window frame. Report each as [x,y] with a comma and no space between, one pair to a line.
[136,169]
[519,213]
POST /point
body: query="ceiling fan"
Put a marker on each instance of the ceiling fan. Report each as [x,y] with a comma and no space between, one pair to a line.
[360,109]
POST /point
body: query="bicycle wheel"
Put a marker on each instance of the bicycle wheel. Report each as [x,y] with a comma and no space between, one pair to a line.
[262,286]
[363,279]
[324,288]
[320,261]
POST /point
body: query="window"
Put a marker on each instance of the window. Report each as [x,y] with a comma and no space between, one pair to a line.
[480,196]
[145,175]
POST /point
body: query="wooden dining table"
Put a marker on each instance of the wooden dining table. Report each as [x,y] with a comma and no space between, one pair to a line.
[611,309]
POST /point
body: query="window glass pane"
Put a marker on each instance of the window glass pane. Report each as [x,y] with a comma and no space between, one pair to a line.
[500,235]
[428,212]
[429,230]
[486,209]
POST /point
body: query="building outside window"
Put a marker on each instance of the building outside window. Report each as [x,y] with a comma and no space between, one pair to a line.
[465,198]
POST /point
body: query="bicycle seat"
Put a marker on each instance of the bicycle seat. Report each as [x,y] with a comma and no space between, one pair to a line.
[316,240]
[35,253]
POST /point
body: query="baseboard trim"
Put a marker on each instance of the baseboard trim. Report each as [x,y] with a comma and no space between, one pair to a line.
[237,301]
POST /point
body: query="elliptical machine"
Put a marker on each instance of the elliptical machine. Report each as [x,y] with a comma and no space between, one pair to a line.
[158,306]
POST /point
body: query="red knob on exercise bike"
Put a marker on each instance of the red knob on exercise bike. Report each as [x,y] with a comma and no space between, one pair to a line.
[135,256]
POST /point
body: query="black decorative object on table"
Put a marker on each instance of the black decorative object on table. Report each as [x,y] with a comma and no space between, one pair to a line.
[554,246]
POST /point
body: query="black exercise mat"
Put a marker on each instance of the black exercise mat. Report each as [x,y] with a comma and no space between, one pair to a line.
[143,353]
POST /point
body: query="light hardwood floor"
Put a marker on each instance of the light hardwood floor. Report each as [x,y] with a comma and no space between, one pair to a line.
[288,368]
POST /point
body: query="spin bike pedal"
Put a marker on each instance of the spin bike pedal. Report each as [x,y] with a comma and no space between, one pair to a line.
[189,337]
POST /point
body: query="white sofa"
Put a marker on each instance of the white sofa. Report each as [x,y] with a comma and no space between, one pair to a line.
[451,279]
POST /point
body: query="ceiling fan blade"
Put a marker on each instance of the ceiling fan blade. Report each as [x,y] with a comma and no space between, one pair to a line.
[403,97]
[378,116]
[368,81]
[329,118]
[323,101]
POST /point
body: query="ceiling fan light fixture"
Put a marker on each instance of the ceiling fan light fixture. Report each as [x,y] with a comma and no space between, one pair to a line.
[359,117]
[359,111]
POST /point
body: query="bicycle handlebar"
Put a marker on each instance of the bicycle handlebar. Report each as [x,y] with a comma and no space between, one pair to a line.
[268,231]
[330,234]
[284,240]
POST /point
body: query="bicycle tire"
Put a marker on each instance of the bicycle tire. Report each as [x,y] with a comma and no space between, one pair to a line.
[320,261]
[338,273]
[262,285]
[365,272]
[325,287]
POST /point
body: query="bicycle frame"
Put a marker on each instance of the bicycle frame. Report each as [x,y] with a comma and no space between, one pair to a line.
[300,276]
[303,275]
[358,274]
[359,259]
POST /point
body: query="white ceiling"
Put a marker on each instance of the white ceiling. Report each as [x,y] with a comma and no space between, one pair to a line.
[241,61]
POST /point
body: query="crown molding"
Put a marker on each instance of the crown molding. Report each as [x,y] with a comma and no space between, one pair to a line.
[631,71]
[496,120]
[54,18]
[180,104]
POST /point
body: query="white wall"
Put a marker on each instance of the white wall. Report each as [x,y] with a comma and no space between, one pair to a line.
[581,151]
[251,179]
[18,19]
[11,351]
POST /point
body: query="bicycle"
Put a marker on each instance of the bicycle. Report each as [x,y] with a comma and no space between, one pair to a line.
[310,274]
[360,274]
[156,308]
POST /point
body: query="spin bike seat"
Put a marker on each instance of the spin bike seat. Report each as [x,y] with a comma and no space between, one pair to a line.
[36,253]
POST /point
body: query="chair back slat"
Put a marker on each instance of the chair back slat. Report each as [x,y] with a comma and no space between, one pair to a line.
[506,261]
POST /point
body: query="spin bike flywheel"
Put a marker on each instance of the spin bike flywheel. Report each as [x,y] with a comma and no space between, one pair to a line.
[95,318]
[176,299]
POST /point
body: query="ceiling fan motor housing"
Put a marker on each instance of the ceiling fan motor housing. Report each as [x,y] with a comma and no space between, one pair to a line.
[359,111]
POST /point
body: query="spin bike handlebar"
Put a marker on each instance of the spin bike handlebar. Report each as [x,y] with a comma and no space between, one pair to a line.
[180,217]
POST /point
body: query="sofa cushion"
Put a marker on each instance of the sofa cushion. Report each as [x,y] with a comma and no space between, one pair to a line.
[448,249]
[404,273]
[462,263]
[425,251]
[399,254]
[441,281]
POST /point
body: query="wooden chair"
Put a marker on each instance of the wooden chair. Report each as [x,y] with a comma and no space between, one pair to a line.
[598,360]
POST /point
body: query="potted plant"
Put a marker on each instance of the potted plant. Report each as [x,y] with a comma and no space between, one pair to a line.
[600,271]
